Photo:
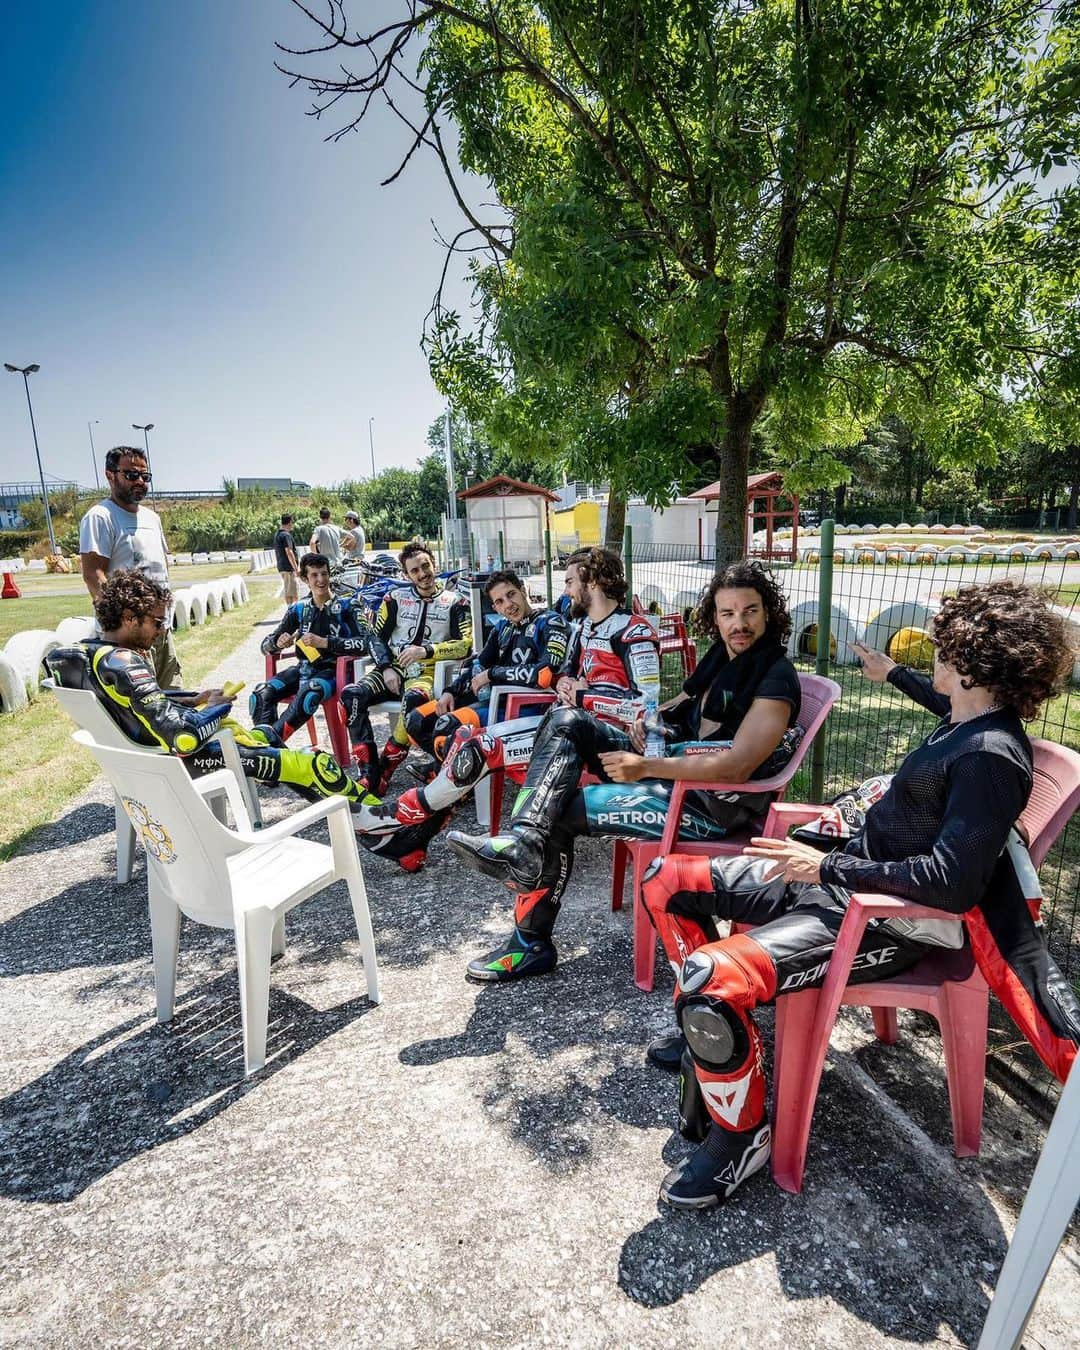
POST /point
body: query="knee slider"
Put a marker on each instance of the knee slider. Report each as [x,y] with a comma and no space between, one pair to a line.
[715,1035]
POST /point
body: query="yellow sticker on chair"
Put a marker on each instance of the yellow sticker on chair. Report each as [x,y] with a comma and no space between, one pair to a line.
[155,837]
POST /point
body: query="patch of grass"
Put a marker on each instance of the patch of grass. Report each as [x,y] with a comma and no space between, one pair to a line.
[39,611]
[40,766]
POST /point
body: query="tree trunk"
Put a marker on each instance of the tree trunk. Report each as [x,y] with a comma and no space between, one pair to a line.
[733,459]
[1074,499]
[616,521]
[840,503]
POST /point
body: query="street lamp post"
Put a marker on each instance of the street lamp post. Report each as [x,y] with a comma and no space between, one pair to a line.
[26,372]
[93,453]
[371,444]
[146,430]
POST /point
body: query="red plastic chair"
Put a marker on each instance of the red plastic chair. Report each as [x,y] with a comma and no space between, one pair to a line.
[331,708]
[946,984]
[674,638]
[818,696]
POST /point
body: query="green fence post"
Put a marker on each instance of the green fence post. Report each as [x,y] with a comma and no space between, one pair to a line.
[824,642]
[502,550]
[547,567]
[473,560]
[628,562]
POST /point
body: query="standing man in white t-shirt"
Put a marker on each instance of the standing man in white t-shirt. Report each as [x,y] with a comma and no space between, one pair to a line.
[121,532]
[326,538]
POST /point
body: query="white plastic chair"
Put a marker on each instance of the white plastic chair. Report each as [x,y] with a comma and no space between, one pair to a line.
[232,879]
[1051,1199]
[82,706]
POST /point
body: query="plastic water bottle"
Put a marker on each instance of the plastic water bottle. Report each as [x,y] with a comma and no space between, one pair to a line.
[655,744]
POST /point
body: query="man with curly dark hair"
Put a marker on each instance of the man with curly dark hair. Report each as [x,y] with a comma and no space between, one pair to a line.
[934,837]
[734,720]
[131,610]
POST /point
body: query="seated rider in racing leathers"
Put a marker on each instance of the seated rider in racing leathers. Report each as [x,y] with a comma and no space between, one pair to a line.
[936,837]
[525,651]
[734,720]
[611,664]
[417,625]
[328,626]
[131,610]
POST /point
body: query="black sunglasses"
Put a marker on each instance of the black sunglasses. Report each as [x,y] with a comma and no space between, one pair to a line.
[160,624]
[133,475]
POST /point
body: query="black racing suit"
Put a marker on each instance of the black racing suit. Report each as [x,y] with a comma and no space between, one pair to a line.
[554,809]
[441,623]
[934,838]
[147,715]
[525,655]
[306,683]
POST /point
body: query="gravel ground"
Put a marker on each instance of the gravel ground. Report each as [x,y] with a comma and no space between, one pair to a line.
[459,1165]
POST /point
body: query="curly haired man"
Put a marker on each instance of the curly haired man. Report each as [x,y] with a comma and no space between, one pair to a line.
[935,837]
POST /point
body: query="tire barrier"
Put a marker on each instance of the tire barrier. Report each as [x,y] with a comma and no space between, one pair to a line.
[181,607]
[27,650]
[904,615]
[12,687]
[76,629]
[196,606]
[804,618]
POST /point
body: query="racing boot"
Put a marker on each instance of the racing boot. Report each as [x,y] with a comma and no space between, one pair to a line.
[392,756]
[521,955]
[517,860]
[666,1051]
[717,1167]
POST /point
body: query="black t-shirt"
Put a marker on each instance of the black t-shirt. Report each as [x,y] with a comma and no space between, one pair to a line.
[283,540]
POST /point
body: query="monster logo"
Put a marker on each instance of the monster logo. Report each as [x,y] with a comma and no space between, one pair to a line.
[154,835]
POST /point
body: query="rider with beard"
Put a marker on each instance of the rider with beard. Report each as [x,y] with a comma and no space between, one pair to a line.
[417,625]
[734,720]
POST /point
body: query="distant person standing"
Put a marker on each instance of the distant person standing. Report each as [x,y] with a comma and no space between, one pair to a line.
[120,532]
[326,538]
[285,551]
[353,541]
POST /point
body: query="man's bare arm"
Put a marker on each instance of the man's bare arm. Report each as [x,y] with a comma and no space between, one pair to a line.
[95,571]
[761,732]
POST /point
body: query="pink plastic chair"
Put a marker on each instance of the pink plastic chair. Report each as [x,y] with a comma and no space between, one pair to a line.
[818,696]
[946,984]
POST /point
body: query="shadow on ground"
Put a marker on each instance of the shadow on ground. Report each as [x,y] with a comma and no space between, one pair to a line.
[830,1242]
[141,1085]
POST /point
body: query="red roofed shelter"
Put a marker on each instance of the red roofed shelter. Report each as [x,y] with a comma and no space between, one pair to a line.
[762,492]
[518,510]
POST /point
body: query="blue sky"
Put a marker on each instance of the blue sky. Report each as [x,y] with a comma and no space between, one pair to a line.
[179,245]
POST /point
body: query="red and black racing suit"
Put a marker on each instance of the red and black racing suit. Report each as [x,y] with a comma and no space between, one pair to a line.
[933,838]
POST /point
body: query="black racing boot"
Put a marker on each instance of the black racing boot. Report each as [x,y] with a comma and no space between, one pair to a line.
[716,1167]
[666,1052]
[517,860]
[518,957]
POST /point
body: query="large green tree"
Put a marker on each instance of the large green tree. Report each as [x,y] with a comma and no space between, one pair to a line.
[811,212]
